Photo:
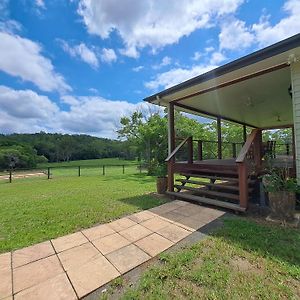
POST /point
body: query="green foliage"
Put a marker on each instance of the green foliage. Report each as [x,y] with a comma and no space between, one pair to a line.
[18,156]
[63,147]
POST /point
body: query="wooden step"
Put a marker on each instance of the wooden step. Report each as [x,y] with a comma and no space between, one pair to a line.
[208,192]
[209,201]
[220,186]
[214,177]
[217,171]
[223,178]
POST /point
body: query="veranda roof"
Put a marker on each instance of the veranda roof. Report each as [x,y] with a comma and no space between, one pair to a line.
[254,90]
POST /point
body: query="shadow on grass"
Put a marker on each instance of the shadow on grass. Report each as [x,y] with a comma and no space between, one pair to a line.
[143,202]
[269,241]
[141,178]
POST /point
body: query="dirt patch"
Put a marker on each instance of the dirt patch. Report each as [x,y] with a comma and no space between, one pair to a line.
[23,175]
[243,265]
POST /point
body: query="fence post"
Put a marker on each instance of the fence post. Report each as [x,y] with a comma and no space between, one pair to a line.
[10,175]
[103,170]
[123,169]
[48,173]
[140,168]
[79,171]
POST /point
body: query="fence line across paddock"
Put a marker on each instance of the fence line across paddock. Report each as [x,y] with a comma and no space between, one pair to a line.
[80,170]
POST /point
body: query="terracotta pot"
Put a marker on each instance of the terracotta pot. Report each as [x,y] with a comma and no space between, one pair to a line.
[282,205]
[161,184]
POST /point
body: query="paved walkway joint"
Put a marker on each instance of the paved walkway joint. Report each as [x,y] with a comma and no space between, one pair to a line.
[72,266]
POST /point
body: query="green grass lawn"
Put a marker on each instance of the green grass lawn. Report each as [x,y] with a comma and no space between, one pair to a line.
[90,162]
[243,260]
[37,209]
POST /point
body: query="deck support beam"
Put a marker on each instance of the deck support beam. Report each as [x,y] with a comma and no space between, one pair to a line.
[219,131]
[171,145]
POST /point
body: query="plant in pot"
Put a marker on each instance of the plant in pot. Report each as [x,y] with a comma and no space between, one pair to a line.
[282,191]
[161,178]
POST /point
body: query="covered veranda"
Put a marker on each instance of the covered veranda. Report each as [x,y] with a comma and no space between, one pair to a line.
[260,91]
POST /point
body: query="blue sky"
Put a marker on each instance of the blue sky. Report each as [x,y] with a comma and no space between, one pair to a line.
[77,66]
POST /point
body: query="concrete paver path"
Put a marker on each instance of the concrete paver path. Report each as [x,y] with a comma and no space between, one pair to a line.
[72,266]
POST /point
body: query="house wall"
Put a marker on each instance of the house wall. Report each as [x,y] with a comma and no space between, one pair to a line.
[295,81]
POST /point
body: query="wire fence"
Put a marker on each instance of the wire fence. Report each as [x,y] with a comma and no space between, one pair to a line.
[80,170]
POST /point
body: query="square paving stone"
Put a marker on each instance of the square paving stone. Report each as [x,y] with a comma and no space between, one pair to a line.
[154,244]
[191,223]
[32,253]
[173,233]
[207,216]
[36,272]
[189,210]
[5,261]
[141,216]
[180,202]
[135,232]
[121,224]
[111,243]
[5,283]
[92,275]
[127,258]
[69,241]
[155,224]
[164,208]
[78,256]
[98,232]
[56,288]
[172,216]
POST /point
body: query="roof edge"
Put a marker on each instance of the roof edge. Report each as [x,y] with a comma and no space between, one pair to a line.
[257,56]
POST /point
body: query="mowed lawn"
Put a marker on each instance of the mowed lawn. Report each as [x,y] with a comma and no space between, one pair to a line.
[37,209]
[243,260]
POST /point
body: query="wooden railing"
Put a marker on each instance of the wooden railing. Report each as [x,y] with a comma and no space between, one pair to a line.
[171,159]
[205,148]
[248,160]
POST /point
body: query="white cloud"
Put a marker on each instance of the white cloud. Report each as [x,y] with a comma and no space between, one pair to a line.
[165,62]
[82,52]
[267,34]
[27,111]
[40,3]
[149,22]
[197,55]
[138,68]
[216,58]
[24,60]
[175,76]
[108,55]
[235,35]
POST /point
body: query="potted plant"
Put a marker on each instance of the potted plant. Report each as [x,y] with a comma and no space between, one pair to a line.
[161,178]
[282,191]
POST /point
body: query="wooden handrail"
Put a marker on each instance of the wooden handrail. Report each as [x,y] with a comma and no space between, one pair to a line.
[177,149]
[242,155]
[208,141]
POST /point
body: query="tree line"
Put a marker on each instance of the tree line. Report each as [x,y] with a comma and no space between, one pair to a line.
[28,150]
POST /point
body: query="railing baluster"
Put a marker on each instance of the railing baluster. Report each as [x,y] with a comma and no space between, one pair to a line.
[190,150]
[200,150]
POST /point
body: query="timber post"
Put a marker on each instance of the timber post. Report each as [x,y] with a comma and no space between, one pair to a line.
[219,130]
[171,145]
[200,150]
